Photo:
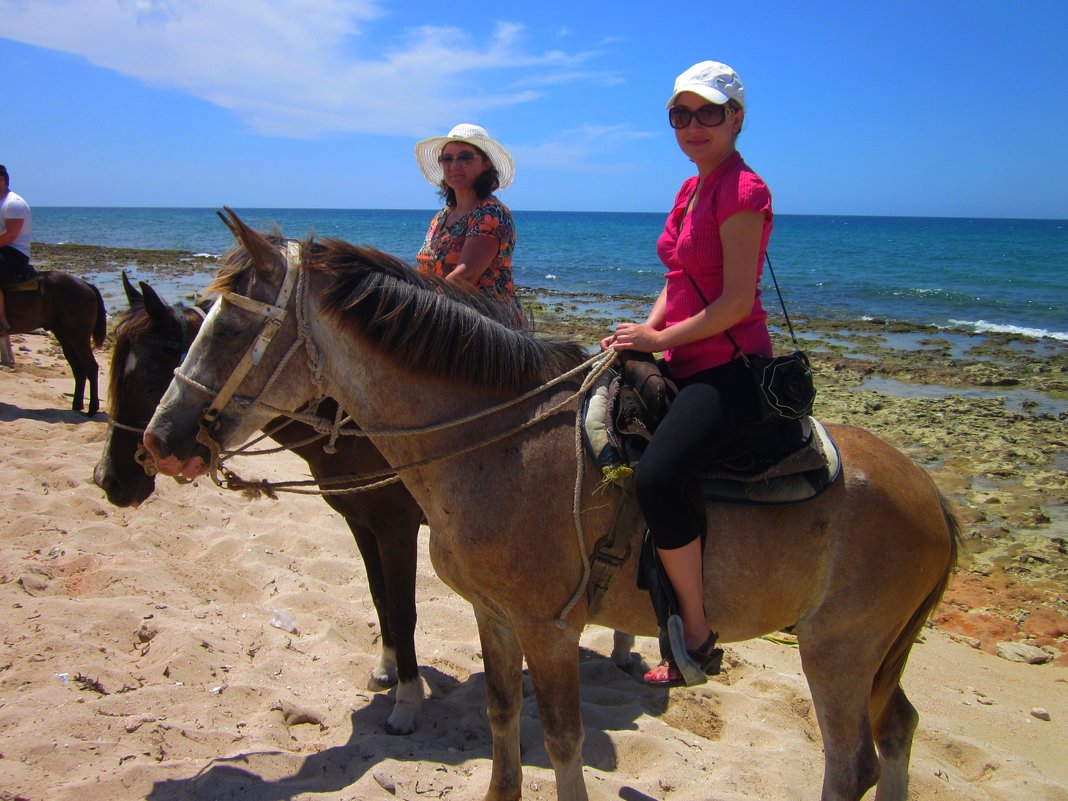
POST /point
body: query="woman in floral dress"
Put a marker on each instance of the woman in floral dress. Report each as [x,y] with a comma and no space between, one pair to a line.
[470,241]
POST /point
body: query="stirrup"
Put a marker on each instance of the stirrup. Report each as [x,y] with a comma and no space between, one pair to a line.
[695,666]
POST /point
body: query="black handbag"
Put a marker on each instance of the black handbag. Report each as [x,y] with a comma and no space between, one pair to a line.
[785,383]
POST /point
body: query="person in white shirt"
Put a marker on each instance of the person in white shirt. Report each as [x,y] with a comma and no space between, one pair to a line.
[14,241]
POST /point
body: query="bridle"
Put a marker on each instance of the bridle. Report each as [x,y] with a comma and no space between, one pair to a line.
[274,314]
[182,346]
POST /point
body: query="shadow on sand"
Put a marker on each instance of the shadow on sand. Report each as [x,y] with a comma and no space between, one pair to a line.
[452,731]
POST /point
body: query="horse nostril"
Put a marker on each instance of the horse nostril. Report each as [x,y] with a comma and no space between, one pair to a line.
[154,445]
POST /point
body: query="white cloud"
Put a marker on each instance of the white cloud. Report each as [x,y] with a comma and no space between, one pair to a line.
[300,68]
[588,149]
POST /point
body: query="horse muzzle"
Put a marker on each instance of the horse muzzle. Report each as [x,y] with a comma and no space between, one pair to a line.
[169,463]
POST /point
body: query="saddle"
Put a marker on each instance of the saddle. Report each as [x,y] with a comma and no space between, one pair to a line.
[30,284]
[776,461]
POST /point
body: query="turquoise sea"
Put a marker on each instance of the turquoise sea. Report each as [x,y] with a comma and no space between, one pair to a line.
[963,274]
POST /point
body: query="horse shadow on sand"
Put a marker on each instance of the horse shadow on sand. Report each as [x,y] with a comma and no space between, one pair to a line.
[453,730]
[9,413]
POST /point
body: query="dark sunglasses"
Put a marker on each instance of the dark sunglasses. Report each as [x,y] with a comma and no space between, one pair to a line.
[464,158]
[709,116]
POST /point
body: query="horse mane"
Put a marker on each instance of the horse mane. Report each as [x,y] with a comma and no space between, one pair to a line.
[434,328]
[130,327]
[422,321]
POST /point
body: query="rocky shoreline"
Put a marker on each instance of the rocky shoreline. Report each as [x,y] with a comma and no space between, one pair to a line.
[984,414]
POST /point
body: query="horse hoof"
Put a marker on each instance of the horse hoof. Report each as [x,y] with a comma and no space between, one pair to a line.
[402,729]
[379,683]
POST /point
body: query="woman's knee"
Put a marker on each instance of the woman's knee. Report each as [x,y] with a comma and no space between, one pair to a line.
[651,486]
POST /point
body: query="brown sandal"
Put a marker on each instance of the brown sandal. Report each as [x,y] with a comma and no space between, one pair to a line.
[708,657]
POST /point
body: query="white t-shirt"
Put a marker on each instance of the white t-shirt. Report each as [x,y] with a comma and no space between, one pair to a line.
[14,207]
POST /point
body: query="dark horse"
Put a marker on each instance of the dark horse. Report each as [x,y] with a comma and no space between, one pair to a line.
[73,310]
[150,340]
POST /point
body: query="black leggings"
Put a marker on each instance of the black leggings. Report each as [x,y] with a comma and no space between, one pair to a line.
[712,408]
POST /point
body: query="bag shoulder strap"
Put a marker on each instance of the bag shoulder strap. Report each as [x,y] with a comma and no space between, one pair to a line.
[785,314]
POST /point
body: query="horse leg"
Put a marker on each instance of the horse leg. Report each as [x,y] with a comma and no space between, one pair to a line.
[394,600]
[841,699]
[894,742]
[622,646]
[83,366]
[503,660]
[384,674]
[554,670]
[91,378]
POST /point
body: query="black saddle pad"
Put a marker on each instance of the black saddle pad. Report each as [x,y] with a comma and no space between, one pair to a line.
[763,476]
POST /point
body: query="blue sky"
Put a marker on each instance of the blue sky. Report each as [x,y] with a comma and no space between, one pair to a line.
[934,108]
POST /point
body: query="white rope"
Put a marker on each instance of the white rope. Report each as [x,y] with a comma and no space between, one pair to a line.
[597,365]
[124,427]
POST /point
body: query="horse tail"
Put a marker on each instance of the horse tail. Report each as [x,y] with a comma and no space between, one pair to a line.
[100,328]
[889,674]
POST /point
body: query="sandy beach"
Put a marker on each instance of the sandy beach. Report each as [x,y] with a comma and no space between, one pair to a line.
[138,659]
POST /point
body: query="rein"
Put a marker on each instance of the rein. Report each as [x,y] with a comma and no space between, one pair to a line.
[275,313]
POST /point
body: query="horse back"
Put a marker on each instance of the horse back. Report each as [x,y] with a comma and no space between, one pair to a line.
[880,539]
[61,302]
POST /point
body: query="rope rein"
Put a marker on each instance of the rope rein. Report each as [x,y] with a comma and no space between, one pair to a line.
[225,478]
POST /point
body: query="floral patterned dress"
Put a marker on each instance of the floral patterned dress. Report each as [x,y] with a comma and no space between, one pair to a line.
[441,250]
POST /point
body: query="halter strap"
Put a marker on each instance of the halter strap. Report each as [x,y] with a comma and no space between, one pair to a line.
[274,313]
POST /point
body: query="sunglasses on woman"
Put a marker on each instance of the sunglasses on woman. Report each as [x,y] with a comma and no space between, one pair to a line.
[709,116]
[464,158]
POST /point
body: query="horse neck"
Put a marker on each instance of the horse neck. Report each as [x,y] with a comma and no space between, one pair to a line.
[380,393]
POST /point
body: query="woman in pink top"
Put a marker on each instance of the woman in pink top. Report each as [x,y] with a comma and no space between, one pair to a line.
[708,312]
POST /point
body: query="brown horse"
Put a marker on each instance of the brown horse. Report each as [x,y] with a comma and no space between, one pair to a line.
[150,340]
[515,507]
[73,310]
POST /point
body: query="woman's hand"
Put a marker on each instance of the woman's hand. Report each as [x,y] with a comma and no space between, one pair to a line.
[634,336]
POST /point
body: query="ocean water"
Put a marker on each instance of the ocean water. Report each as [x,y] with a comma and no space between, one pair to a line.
[962,274]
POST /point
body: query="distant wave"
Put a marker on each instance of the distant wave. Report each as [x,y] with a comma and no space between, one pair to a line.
[983,327]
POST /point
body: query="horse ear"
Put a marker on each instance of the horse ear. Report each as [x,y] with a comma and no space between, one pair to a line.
[160,313]
[259,248]
[132,295]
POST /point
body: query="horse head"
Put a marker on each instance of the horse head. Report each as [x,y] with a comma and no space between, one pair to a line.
[246,343]
[151,338]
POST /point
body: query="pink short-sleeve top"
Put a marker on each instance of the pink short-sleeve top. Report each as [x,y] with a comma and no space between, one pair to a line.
[691,244]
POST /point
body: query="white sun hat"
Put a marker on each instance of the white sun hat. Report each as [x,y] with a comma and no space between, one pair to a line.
[717,83]
[428,150]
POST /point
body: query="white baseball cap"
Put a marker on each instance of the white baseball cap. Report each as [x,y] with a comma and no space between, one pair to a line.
[717,83]
[428,150]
